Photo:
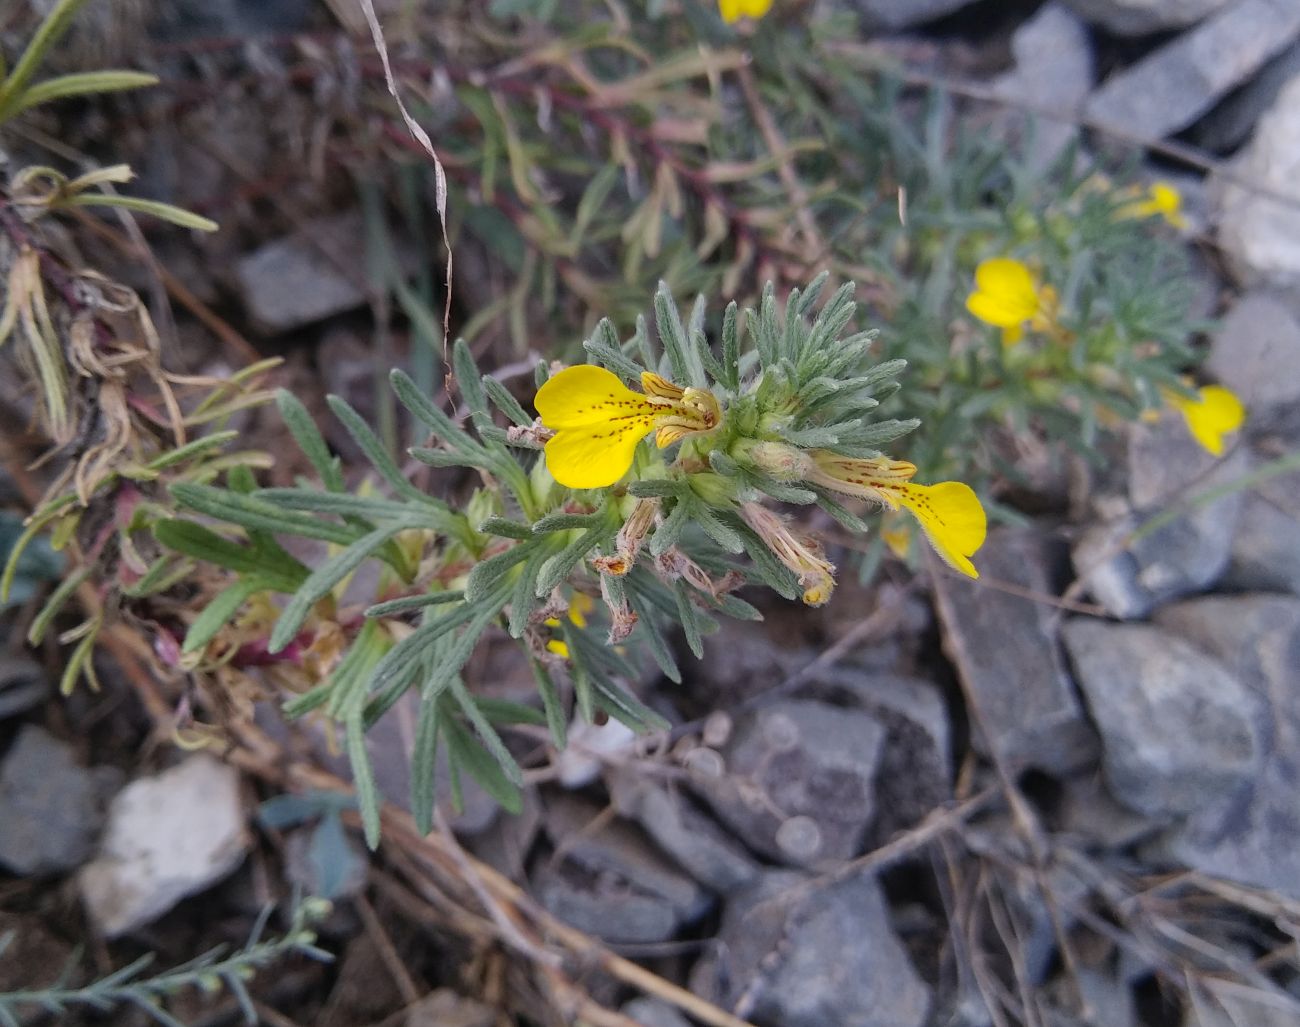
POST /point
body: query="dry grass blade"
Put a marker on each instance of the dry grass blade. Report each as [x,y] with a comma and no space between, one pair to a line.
[422,137]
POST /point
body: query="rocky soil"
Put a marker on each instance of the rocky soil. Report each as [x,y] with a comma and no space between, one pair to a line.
[1063,795]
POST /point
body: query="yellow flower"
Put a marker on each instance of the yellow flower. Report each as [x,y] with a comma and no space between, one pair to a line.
[1213,413]
[949,513]
[733,10]
[599,421]
[1161,200]
[1008,295]
[580,605]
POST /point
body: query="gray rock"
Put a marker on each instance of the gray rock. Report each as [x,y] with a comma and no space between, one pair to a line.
[1142,17]
[51,809]
[1257,638]
[651,1012]
[1174,85]
[1025,706]
[1165,466]
[1255,353]
[609,880]
[799,778]
[1266,548]
[1259,233]
[1180,733]
[901,14]
[742,658]
[1089,816]
[168,836]
[323,859]
[1230,123]
[23,685]
[1235,1007]
[304,277]
[799,958]
[684,833]
[915,772]
[1053,65]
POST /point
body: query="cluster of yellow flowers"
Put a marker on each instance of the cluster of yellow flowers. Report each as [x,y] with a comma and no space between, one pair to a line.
[733,10]
[1009,296]
[598,422]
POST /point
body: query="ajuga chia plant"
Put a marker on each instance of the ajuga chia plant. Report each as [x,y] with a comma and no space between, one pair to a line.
[584,540]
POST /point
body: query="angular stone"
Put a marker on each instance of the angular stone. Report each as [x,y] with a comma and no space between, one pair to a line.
[1053,64]
[1260,233]
[696,843]
[1255,353]
[901,14]
[168,836]
[1025,706]
[1174,85]
[799,779]
[51,809]
[23,684]
[915,773]
[1257,637]
[1165,466]
[1266,548]
[1180,733]
[610,881]
[651,1012]
[1142,17]
[1230,123]
[813,957]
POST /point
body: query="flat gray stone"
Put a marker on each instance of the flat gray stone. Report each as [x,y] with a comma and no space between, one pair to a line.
[1174,85]
[51,808]
[1142,17]
[610,881]
[901,14]
[693,840]
[1188,555]
[915,773]
[1231,122]
[1180,733]
[168,836]
[1257,638]
[1260,233]
[829,956]
[652,1012]
[1026,708]
[1266,548]
[1256,354]
[1054,66]
[799,781]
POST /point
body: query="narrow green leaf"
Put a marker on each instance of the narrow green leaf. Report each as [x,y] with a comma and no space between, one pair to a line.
[321,581]
[81,84]
[363,776]
[155,208]
[219,612]
[303,428]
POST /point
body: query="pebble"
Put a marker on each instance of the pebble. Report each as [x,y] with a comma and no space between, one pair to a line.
[168,836]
